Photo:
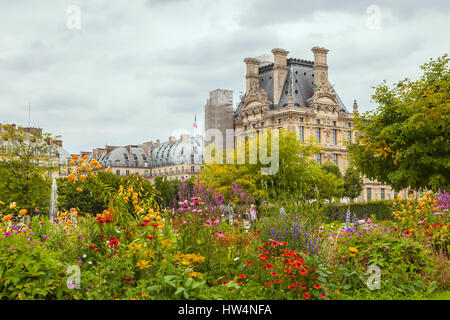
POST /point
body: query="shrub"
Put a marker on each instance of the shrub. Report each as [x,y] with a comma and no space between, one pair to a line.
[381,209]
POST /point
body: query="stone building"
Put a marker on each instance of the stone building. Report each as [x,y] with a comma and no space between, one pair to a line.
[174,159]
[177,159]
[295,94]
[219,115]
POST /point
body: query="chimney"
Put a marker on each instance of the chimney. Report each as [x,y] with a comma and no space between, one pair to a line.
[109,149]
[355,107]
[280,71]
[320,67]
[252,76]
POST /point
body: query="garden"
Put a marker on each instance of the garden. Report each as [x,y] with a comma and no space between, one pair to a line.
[207,247]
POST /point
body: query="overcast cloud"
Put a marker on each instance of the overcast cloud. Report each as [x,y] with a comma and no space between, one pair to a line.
[139,70]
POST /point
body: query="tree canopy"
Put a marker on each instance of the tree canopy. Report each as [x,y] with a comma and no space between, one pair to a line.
[405,142]
[298,175]
[26,159]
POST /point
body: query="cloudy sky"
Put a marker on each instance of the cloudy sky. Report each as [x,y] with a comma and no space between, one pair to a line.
[140,70]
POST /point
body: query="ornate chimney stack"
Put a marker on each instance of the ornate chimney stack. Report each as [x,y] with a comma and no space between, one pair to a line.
[355,107]
[320,67]
[280,71]
[252,76]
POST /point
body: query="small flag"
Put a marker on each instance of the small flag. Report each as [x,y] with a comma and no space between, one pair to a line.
[195,121]
[315,85]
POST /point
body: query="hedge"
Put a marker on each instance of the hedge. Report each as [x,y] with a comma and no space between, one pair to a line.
[382,210]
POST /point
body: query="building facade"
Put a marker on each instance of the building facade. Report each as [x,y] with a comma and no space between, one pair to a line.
[296,95]
[175,159]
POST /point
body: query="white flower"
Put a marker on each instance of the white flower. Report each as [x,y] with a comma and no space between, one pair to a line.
[84,256]
[90,262]
[236,259]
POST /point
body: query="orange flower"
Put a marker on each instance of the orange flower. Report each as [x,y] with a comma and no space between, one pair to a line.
[23,212]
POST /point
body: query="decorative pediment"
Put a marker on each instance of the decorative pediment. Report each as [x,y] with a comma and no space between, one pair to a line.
[255,100]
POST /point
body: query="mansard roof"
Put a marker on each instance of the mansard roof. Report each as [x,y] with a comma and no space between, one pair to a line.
[299,81]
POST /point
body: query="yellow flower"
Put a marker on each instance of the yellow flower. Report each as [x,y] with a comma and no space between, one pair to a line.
[143,264]
[352,249]
[12,205]
[2,203]
[79,189]
[194,274]
[167,243]
[23,212]
[7,217]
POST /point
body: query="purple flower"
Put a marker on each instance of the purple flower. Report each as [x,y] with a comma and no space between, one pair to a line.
[7,234]
[45,237]
[80,261]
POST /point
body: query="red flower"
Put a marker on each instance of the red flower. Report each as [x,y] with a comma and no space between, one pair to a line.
[303,287]
[238,282]
[113,241]
[268,266]
[277,281]
[317,286]
[129,278]
[241,276]
[268,284]
[323,295]
[249,263]
[226,282]
[306,295]
[274,274]
[293,286]
[150,237]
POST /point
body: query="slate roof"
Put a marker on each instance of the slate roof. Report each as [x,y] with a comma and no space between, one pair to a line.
[299,78]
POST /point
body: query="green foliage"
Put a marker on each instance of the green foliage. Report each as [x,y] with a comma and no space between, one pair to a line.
[330,167]
[353,183]
[297,177]
[381,209]
[26,161]
[168,190]
[405,142]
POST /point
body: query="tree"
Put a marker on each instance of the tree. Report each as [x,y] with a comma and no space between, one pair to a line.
[26,159]
[87,195]
[333,169]
[405,142]
[168,190]
[353,183]
[298,176]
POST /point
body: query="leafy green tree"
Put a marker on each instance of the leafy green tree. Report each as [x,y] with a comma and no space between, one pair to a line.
[333,169]
[168,190]
[353,183]
[298,176]
[26,160]
[88,195]
[405,142]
